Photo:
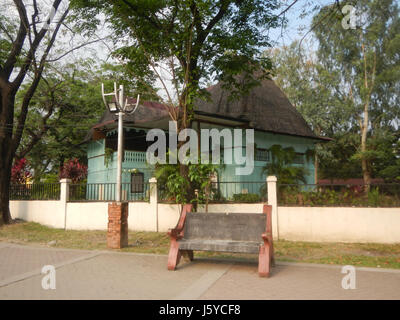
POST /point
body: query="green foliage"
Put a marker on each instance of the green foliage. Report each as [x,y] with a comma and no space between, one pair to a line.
[108,155]
[72,98]
[341,196]
[246,197]
[328,87]
[198,41]
[50,178]
[281,166]
[175,187]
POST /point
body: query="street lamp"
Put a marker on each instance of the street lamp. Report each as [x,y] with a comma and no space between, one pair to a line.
[121,107]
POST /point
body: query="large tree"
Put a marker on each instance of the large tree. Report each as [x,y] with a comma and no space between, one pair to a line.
[302,77]
[346,85]
[186,44]
[34,35]
[367,60]
[26,40]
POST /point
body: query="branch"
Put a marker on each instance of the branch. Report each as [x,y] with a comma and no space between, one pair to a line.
[32,88]
[222,10]
[287,9]
[35,137]
[78,47]
[314,26]
[19,41]
[32,50]
[134,8]
[34,16]
[7,33]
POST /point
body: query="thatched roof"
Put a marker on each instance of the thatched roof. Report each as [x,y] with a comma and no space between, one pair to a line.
[266,108]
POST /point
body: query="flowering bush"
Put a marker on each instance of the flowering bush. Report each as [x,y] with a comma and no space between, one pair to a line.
[73,170]
[20,171]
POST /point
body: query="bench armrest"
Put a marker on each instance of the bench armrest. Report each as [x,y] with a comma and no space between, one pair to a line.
[177,232]
[266,236]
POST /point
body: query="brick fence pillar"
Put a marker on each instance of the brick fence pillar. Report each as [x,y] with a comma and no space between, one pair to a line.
[117,231]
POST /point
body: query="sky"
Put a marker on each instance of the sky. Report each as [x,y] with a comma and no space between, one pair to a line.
[298,23]
[297,26]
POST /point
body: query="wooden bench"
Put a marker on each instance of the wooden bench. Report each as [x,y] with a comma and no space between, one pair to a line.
[225,232]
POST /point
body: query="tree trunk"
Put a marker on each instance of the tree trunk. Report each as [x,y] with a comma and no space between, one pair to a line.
[184,123]
[364,162]
[5,216]
[6,150]
[316,165]
[5,177]
[364,125]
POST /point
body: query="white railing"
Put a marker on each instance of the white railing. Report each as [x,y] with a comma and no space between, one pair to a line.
[135,156]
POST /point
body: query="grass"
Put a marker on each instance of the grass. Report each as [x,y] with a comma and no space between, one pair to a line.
[357,254]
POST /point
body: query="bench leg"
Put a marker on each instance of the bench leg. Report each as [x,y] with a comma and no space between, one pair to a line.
[264,261]
[271,254]
[174,255]
[188,254]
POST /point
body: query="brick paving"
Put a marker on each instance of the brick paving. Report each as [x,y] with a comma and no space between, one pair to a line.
[113,275]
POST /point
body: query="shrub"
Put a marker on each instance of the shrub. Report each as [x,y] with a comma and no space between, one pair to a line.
[246,197]
[73,170]
[20,171]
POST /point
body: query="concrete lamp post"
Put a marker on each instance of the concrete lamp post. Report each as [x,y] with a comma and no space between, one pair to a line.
[117,229]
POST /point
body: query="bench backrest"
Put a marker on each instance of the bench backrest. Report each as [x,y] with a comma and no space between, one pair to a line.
[225,226]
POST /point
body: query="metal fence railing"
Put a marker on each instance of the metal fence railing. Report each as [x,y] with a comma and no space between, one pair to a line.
[226,192]
[107,192]
[35,191]
[344,195]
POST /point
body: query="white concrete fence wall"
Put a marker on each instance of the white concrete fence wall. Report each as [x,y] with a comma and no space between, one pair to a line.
[328,224]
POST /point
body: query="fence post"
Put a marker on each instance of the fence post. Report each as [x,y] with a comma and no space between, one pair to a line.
[154,198]
[273,201]
[64,197]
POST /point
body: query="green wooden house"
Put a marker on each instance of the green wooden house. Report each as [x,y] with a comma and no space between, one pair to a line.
[266,109]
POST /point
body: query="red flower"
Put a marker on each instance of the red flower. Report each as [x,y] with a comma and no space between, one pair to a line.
[20,171]
[73,170]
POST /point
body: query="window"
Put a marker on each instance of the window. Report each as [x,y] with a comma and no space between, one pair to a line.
[261,155]
[299,158]
[137,182]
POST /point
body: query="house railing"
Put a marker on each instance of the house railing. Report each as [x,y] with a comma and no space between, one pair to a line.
[35,191]
[134,156]
[344,195]
[107,192]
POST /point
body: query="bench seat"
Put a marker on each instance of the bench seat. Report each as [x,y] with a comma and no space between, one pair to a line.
[223,232]
[220,245]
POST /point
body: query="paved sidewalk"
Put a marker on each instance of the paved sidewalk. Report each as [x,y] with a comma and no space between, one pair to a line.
[112,275]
